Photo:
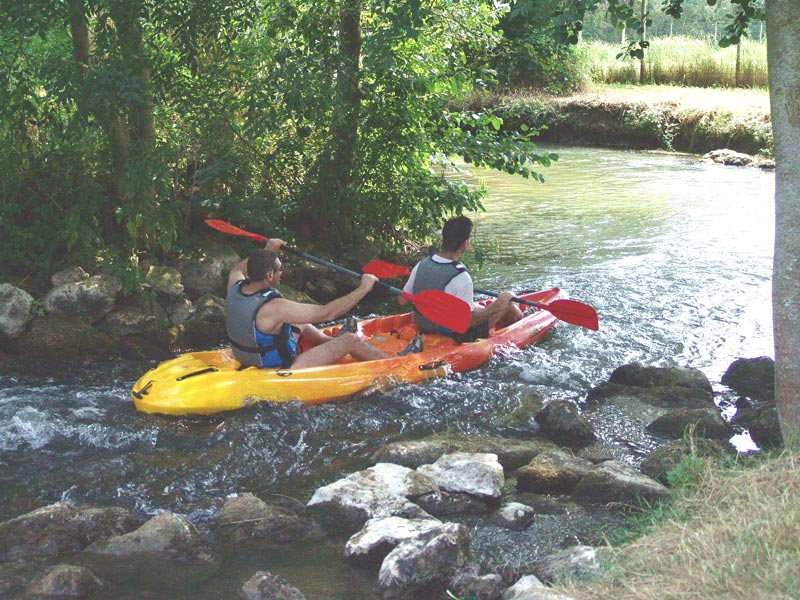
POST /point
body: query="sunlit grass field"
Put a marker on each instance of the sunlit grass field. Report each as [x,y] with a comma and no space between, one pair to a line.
[682,61]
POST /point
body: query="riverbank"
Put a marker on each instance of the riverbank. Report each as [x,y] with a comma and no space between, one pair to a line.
[694,120]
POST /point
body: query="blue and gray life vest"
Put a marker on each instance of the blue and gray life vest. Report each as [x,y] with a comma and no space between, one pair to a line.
[251,346]
[433,275]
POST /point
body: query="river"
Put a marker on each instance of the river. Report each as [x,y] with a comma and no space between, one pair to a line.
[674,254]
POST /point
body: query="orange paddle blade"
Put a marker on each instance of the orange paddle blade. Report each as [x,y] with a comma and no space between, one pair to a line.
[225,227]
[442,308]
[385,270]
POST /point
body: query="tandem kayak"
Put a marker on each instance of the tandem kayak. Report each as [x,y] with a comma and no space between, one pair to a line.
[202,383]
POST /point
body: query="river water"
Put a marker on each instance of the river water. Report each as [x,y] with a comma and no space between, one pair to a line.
[673,253]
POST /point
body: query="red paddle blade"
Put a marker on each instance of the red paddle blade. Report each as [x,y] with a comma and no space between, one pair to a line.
[384,270]
[574,312]
[233,230]
[442,308]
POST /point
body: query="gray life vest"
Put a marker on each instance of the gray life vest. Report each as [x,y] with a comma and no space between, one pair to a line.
[433,275]
[251,346]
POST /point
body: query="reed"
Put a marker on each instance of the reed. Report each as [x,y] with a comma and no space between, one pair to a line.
[684,61]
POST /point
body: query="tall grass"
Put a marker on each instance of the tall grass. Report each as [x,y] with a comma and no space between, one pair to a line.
[731,534]
[681,60]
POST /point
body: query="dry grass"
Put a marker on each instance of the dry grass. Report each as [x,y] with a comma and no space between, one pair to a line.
[735,537]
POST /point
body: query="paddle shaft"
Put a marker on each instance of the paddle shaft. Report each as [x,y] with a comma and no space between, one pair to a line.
[340,269]
[514,299]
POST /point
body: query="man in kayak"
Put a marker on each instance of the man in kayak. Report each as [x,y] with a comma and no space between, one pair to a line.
[264,327]
[443,271]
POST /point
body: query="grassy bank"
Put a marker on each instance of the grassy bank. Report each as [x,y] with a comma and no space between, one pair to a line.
[695,120]
[731,533]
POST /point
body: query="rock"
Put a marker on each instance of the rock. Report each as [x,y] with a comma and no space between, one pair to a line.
[163,280]
[752,377]
[344,506]
[62,582]
[762,423]
[16,310]
[425,565]
[210,309]
[166,535]
[728,157]
[449,504]
[513,515]
[478,587]
[266,586]
[561,422]
[70,275]
[180,311]
[512,454]
[665,458]
[381,536]
[554,472]
[703,422]
[205,271]
[90,299]
[614,481]
[147,321]
[674,396]
[637,375]
[247,517]
[525,585]
[60,340]
[476,474]
[578,563]
[58,528]
[402,481]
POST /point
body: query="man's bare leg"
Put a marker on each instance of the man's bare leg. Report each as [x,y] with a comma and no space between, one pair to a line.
[335,348]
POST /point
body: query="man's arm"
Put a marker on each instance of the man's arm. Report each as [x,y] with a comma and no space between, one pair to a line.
[239,272]
[281,310]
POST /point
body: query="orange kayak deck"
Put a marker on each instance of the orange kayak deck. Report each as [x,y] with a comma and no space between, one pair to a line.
[213,381]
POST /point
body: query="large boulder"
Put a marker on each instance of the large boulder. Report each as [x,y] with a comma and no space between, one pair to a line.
[60,527]
[344,506]
[477,474]
[703,422]
[56,339]
[90,299]
[422,567]
[16,310]
[247,517]
[617,482]
[752,377]
[64,581]
[266,586]
[205,271]
[554,472]
[561,422]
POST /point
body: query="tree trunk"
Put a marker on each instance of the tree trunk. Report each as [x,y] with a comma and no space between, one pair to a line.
[783,59]
[336,188]
[642,64]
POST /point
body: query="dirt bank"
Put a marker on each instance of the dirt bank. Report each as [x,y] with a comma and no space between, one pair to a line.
[696,120]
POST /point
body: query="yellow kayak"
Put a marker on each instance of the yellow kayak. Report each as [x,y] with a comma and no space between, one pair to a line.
[202,383]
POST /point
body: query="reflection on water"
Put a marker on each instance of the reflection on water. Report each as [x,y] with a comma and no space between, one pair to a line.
[674,254]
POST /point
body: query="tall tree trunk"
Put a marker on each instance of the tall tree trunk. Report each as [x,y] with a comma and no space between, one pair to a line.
[337,185]
[783,59]
[115,128]
[642,63]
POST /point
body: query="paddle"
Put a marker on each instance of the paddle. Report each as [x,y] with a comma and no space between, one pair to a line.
[441,308]
[569,311]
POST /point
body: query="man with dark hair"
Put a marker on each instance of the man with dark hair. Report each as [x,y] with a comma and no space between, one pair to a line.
[443,271]
[264,328]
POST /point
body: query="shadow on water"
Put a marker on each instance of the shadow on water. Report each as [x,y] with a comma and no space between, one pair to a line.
[674,254]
